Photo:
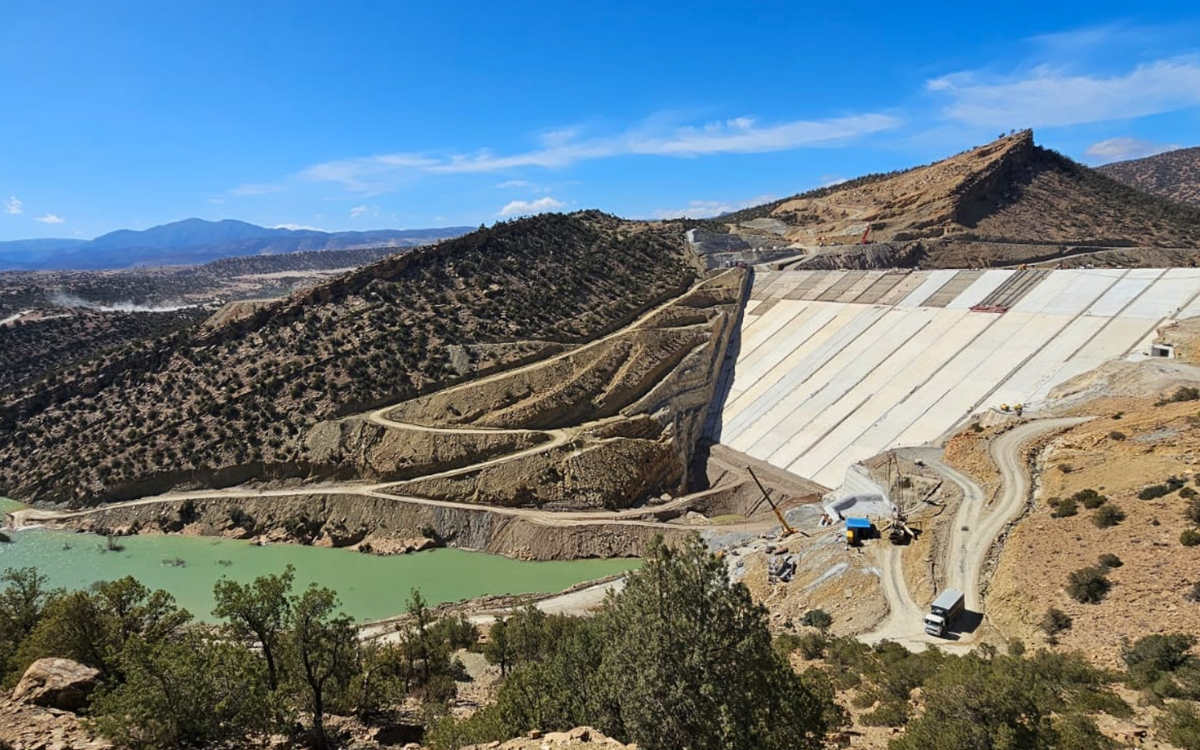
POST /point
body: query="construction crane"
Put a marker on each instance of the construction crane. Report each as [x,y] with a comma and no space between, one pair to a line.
[863,239]
[787,527]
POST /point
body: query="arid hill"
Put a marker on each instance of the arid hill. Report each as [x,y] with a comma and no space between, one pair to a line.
[1008,202]
[228,403]
[1174,175]
[50,320]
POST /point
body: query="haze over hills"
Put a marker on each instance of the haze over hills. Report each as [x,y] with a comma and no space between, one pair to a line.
[194,241]
[1004,203]
[1174,175]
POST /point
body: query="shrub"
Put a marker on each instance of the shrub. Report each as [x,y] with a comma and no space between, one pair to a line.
[1155,657]
[1089,498]
[1118,415]
[1117,435]
[1189,538]
[817,618]
[1194,594]
[1108,515]
[1192,511]
[1108,560]
[1187,493]
[1182,393]
[1180,725]
[812,645]
[890,713]
[1066,508]
[1088,585]
[1055,621]
[1154,491]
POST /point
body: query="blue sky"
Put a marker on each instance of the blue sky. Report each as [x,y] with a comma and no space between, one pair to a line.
[355,115]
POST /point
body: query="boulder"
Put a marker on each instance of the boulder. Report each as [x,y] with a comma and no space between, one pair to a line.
[57,683]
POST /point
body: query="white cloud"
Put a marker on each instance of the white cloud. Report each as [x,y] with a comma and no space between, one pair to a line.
[1120,149]
[514,184]
[51,219]
[522,208]
[14,206]
[708,209]
[358,211]
[371,175]
[298,227]
[1052,96]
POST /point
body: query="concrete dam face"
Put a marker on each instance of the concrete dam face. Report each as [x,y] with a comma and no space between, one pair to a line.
[836,366]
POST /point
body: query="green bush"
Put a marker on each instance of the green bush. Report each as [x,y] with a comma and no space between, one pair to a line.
[891,713]
[1066,508]
[1117,435]
[1089,498]
[1154,491]
[1108,515]
[817,618]
[1182,393]
[1055,621]
[1189,538]
[1180,725]
[1164,665]
[1108,560]
[1088,585]
[1192,511]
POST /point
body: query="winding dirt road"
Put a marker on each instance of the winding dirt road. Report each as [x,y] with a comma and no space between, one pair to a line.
[976,526]
[394,490]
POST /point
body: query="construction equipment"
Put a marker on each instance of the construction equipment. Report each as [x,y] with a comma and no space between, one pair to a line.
[898,530]
[863,239]
[857,529]
[787,527]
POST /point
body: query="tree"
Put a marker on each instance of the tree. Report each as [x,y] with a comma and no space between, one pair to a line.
[321,651]
[92,627]
[680,658]
[497,649]
[687,661]
[22,604]
[186,692]
[257,612]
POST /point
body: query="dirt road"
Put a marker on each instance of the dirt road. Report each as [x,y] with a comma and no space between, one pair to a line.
[976,526]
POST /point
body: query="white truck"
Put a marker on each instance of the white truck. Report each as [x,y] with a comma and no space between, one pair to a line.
[942,612]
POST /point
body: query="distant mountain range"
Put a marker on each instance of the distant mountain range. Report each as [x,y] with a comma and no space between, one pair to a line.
[195,241]
[1174,175]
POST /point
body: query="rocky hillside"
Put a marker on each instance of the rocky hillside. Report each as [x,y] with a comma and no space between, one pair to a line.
[1174,175]
[1008,202]
[227,403]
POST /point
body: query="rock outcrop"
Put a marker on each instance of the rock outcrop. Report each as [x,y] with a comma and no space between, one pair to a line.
[57,683]
[27,727]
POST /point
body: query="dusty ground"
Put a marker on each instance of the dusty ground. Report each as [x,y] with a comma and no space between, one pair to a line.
[1148,590]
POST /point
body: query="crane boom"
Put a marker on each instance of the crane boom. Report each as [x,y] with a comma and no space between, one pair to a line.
[786,526]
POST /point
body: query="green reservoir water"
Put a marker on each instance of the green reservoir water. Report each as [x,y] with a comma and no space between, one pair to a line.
[370,587]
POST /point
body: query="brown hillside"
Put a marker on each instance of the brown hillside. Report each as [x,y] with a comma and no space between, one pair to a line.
[1008,202]
[1174,175]
[219,406]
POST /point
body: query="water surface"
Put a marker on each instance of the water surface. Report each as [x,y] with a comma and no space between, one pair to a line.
[370,587]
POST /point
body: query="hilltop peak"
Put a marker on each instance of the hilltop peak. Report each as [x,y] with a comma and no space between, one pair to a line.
[1005,202]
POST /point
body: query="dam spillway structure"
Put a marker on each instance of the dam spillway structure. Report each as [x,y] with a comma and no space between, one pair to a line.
[833,367]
